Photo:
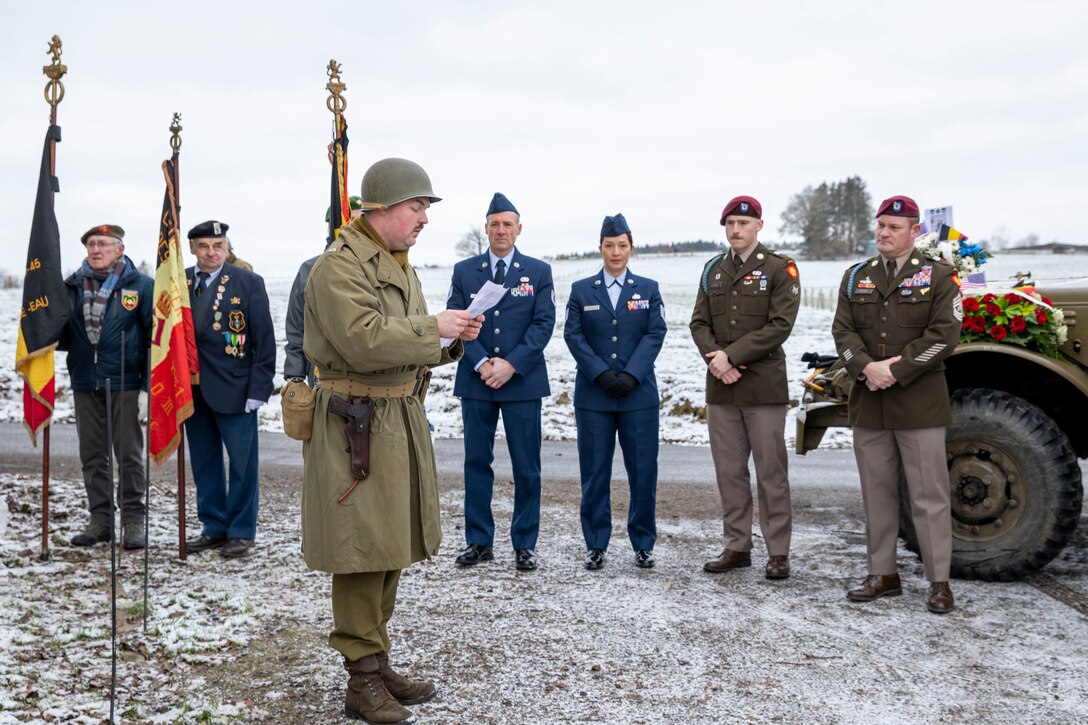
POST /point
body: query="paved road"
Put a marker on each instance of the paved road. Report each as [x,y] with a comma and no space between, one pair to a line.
[559,459]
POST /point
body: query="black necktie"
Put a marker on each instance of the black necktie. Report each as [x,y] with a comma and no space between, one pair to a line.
[736,261]
[891,269]
[500,272]
[199,286]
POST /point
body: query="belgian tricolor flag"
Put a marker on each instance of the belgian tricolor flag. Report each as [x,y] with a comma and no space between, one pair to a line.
[174,364]
[45,308]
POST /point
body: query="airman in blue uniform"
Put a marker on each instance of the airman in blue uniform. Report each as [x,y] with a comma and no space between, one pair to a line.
[615,326]
[236,348]
[503,371]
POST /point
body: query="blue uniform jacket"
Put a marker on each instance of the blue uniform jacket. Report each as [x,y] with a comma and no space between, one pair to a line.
[627,339]
[228,379]
[128,310]
[516,330]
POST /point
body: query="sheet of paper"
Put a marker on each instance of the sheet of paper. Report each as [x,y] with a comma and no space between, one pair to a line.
[488,296]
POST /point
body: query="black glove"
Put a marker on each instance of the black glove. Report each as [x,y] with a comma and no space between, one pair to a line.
[610,381]
[627,383]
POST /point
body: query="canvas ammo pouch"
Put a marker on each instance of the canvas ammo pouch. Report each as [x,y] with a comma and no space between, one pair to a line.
[297,405]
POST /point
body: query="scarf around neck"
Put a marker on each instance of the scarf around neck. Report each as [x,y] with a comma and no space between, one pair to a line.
[96,293]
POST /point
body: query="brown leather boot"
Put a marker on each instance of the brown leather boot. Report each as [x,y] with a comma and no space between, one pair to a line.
[407,692]
[367,699]
[728,560]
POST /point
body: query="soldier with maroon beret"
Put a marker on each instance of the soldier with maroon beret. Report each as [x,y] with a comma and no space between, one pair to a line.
[898,318]
[744,310]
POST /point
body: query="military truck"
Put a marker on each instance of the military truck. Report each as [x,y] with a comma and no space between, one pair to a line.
[1019,424]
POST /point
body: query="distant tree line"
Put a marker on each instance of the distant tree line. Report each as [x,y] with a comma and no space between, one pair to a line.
[699,245]
[835,219]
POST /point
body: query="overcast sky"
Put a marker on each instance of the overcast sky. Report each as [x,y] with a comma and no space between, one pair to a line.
[574,110]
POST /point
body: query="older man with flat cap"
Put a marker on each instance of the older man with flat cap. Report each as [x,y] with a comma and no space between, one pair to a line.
[370,483]
[744,310]
[236,347]
[503,371]
[107,337]
[898,318]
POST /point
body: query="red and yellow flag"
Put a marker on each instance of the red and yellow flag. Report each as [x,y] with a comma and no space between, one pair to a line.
[174,366]
[45,307]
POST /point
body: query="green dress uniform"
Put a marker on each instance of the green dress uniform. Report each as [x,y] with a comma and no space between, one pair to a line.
[748,311]
[916,313]
[367,331]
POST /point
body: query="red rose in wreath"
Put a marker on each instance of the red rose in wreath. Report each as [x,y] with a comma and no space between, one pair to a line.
[998,332]
[970,304]
[1018,324]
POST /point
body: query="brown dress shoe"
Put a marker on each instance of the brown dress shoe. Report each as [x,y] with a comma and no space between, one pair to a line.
[367,698]
[778,567]
[407,692]
[876,586]
[728,560]
[940,598]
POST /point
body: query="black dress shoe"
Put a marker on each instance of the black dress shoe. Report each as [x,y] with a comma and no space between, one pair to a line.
[237,548]
[202,542]
[594,559]
[524,559]
[474,554]
[644,559]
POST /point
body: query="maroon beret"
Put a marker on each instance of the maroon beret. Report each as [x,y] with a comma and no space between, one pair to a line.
[742,206]
[898,206]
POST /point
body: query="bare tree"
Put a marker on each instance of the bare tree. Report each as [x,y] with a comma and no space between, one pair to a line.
[474,242]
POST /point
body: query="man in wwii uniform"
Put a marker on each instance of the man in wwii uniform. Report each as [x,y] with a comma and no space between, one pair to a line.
[236,347]
[898,318]
[504,372]
[296,367]
[744,311]
[370,482]
[615,326]
[109,299]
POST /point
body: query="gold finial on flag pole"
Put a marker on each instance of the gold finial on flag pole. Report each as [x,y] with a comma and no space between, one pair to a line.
[54,89]
[335,102]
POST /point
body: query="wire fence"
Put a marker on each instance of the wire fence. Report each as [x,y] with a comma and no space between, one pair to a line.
[820,298]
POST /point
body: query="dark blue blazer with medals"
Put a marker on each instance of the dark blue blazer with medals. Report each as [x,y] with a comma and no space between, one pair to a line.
[626,339]
[235,341]
[516,330]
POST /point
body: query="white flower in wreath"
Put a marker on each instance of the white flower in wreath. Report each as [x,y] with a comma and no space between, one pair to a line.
[967,265]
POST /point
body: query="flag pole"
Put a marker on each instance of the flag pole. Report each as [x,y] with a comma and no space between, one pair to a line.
[337,104]
[54,94]
[175,146]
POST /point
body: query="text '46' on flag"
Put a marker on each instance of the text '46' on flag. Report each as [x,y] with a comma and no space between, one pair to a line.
[174,366]
[45,310]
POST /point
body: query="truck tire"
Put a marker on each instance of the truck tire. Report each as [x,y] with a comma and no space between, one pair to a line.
[1015,483]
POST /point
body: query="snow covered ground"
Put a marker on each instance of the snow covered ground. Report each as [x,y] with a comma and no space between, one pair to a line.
[232,641]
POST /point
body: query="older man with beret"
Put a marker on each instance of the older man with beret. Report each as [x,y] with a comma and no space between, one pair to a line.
[898,318]
[744,310]
[107,337]
[236,347]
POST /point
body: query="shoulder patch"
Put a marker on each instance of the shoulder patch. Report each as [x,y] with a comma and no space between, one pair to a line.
[791,269]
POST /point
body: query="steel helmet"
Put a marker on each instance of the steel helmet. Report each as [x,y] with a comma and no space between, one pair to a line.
[391,181]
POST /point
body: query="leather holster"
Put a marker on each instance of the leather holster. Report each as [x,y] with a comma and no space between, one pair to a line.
[357,413]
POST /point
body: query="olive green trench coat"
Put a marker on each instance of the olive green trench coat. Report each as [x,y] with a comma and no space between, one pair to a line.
[366,320]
